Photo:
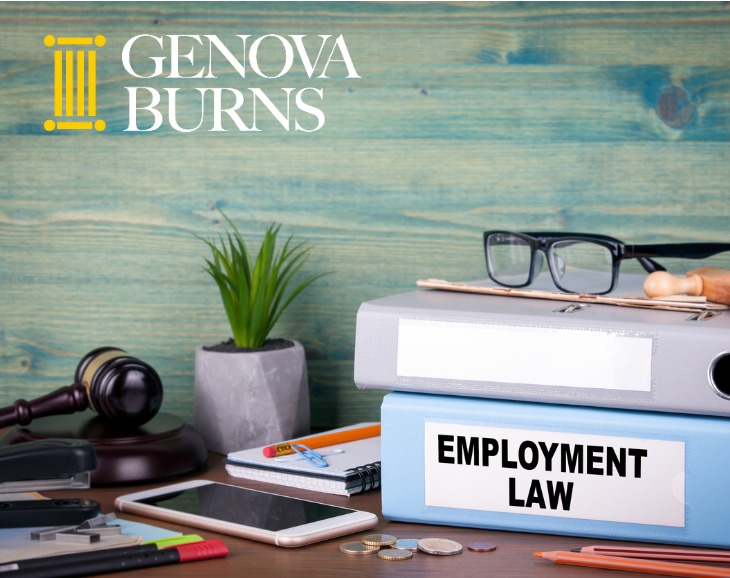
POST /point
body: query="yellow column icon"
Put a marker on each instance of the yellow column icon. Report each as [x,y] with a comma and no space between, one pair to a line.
[74,83]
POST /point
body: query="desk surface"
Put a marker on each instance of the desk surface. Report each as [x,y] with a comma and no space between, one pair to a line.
[513,557]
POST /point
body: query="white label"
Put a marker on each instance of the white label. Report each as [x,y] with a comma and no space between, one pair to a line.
[547,356]
[568,475]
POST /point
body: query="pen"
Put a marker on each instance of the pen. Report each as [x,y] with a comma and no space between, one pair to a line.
[324,440]
[11,568]
[112,560]
[635,565]
[658,553]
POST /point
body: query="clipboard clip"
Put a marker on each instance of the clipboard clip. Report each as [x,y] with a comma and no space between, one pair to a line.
[310,455]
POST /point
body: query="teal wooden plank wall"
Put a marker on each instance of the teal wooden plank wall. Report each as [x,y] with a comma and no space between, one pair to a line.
[603,117]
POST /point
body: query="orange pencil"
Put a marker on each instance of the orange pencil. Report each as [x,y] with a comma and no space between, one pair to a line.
[324,440]
[698,555]
[635,565]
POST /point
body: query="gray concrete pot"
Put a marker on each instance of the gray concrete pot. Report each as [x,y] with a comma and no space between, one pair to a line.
[249,399]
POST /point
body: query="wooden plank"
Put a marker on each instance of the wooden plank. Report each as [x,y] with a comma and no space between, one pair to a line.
[671,33]
[557,73]
[468,117]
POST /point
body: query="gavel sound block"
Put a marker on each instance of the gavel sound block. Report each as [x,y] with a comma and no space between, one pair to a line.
[133,441]
[709,282]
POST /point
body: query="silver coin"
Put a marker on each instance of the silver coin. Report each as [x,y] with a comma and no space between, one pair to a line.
[394,555]
[358,549]
[439,546]
[406,544]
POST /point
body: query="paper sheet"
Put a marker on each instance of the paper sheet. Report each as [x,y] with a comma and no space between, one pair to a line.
[624,298]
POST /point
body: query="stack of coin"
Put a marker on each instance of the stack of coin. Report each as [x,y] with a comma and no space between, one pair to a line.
[388,547]
[358,549]
[379,540]
[384,545]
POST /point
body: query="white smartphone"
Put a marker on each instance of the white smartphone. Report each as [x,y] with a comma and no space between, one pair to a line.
[246,513]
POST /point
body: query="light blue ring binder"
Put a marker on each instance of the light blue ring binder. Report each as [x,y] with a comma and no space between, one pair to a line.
[706,443]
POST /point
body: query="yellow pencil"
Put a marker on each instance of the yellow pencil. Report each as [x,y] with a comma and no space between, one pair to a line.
[324,440]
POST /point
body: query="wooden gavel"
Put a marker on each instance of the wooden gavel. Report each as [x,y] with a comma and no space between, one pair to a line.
[115,385]
[710,282]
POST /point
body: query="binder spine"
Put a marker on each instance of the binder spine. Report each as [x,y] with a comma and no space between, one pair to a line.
[367,478]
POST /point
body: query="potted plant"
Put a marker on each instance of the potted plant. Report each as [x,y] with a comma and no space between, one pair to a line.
[252,390]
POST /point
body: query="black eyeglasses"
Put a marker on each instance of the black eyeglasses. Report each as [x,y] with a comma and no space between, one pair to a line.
[578,262]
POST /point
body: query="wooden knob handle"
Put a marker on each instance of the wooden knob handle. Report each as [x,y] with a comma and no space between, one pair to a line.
[662,284]
[69,399]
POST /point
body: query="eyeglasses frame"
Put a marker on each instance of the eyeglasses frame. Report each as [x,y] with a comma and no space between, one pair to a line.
[544,241]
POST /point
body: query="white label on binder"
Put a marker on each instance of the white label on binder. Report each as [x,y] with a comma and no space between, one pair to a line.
[547,356]
[563,474]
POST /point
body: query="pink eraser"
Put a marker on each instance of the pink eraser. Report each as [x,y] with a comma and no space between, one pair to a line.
[270,452]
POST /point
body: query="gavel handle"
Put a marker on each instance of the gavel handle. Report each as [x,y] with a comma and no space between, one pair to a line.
[68,399]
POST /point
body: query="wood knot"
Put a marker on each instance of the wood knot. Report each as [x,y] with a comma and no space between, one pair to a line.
[674,107]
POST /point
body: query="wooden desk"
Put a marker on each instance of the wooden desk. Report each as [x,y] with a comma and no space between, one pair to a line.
[513,557]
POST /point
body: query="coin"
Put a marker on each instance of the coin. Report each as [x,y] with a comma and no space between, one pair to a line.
[439,546]
[379,540]
[482,546]
[406,544]
[394,555]
[357,549]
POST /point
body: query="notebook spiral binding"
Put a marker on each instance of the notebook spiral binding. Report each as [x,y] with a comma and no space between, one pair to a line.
[369,475]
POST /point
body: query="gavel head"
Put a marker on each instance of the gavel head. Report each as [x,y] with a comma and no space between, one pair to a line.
[119,387]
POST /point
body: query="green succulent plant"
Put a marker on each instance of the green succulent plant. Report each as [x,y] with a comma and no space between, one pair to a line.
[255,293]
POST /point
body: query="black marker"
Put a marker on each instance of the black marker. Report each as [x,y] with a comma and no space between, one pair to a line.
[112,560]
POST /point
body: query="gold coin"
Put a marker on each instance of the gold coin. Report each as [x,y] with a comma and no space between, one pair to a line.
[439,546]
[379,540]
[357,549]
[406,544]
[394,555]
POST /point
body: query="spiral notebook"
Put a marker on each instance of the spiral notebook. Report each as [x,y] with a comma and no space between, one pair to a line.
[352,467]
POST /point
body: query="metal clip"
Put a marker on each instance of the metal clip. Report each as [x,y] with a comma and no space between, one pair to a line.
[572,308]
[703,316]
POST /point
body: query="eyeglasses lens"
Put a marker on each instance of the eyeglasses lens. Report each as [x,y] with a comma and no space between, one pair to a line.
[582,266]
[509,259]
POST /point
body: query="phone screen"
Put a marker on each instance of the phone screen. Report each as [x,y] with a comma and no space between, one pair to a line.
[246,507]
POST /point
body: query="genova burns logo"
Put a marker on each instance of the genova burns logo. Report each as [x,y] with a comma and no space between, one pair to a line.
[74,83]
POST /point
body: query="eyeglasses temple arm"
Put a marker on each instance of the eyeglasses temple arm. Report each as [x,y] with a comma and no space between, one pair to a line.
[650,265]
[677,250]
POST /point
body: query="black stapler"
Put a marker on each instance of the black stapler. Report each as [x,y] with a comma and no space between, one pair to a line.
[53,464]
